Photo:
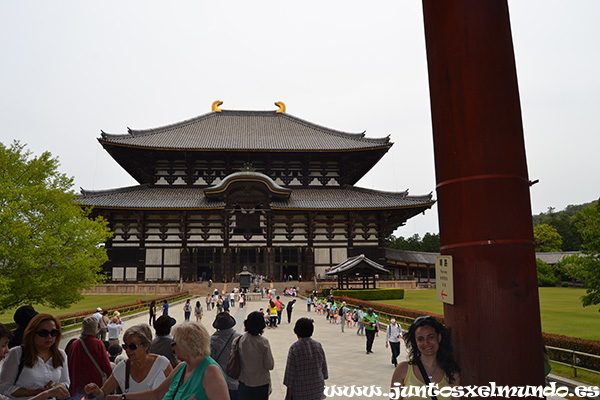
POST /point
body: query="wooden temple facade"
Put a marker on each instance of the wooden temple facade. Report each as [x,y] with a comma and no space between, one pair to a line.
[229,189]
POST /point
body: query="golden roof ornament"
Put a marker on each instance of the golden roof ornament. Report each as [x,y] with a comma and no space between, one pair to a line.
[215,105]
[281,106]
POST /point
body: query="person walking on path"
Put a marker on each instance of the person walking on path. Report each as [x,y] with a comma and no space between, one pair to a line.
[226,302]
[279,305]
[392,336]
[103,329]
[370,323]
[256,360]
[114,330]
[165,308]
[306,367]
[343,312]
[152,313]
[220,347]
[198,311]
[208,299]
[308,302]
[360,314]
[289,308]
[187,310]
[161,344]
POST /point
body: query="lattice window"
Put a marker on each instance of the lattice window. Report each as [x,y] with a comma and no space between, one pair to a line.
[153,273]
[118,273]
[171,274]
[131,274]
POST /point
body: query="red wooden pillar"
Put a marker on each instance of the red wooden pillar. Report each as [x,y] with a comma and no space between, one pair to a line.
[483,192]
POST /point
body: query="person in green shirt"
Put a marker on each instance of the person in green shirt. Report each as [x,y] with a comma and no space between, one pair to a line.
[371,328]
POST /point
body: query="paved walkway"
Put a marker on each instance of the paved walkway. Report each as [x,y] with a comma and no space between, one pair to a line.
[346,355]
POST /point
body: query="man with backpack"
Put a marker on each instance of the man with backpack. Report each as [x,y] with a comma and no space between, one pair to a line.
[360,314]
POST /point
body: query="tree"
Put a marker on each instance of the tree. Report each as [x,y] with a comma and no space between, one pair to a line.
[564,222]
[547,238]
[430,243]
[49,248]
[587,267]
[545,274]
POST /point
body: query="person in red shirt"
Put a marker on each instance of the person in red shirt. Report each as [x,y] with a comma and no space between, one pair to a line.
[82,369]
[279,305]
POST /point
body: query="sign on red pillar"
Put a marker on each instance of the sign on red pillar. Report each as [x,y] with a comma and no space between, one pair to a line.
[444,279]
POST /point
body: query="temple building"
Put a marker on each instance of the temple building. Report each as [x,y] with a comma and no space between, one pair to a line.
[228,189]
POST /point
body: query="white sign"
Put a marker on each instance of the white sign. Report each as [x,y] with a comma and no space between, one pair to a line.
[444,280]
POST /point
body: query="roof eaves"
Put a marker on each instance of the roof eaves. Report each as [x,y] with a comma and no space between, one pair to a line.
[353,136]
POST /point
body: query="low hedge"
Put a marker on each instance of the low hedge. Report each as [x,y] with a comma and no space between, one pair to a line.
[371,294]
[570,343]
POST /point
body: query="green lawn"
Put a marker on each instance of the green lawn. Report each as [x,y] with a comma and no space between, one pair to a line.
[89,302]
[561,310]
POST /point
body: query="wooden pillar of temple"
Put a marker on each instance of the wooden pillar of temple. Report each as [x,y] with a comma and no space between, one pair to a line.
[483,192]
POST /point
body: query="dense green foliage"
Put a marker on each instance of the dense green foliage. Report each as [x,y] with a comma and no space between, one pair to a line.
[547,238]
[371,294]
[545,274]
[49,248]
[564,223]
[430,243]
[586,267]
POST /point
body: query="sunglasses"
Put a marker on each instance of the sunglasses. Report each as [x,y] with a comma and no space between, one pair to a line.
[131,346]
[46,333]
[422,319]
[173,344]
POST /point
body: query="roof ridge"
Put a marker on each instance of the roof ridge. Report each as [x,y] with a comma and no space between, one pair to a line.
[165,128]
[159,129]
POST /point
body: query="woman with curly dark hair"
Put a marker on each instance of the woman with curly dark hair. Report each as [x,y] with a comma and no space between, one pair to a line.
[431,357]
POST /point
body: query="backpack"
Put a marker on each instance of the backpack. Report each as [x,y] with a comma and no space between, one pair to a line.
[355,316]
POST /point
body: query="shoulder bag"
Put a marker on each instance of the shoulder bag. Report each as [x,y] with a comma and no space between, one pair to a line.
[234,367]
[102,373]
[424,375]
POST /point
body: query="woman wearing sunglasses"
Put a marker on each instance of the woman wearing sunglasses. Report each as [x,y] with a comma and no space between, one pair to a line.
[38,368]
[197,377]
[431,357]
[146,370]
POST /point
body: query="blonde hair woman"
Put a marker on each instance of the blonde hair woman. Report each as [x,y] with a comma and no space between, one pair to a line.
[198,375]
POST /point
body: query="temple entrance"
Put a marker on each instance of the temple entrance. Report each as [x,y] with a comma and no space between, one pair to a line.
[289,261]
[251,257]
[203,261]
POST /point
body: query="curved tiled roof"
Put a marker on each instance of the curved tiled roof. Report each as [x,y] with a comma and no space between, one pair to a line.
[412,257]
[353,262]
[327,198]
[244,130]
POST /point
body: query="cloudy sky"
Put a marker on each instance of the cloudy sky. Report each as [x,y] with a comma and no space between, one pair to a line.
[72,68]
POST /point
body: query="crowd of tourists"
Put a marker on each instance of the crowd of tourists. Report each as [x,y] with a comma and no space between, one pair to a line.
[180,361]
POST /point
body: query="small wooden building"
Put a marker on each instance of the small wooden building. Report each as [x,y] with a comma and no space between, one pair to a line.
[232,188]
[358,268]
